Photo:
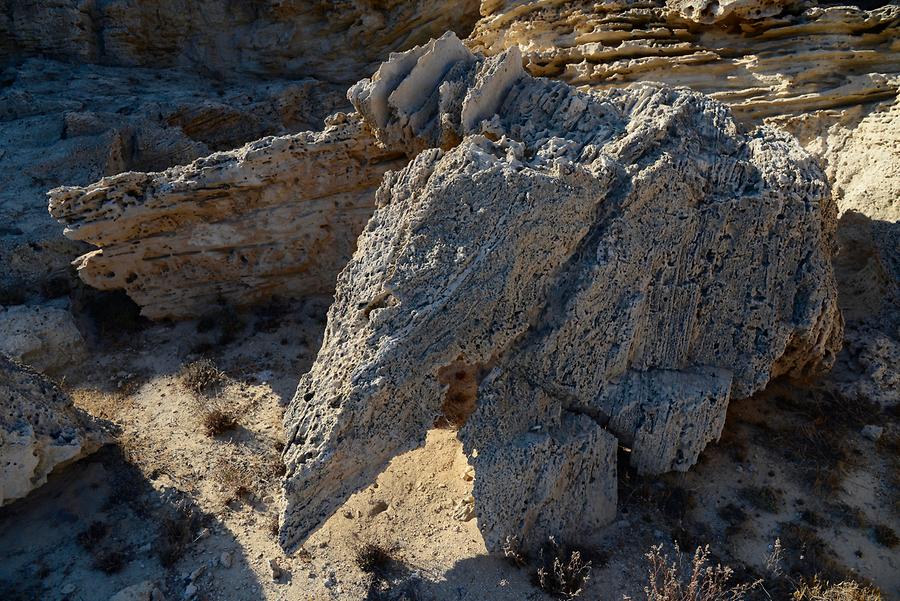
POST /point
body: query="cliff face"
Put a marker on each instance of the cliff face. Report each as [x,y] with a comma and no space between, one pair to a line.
[336,41]
[760,58]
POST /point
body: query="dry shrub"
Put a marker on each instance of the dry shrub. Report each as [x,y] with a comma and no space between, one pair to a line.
[373,558]
[844,591]
[562,573]
[202,377]
[698,581]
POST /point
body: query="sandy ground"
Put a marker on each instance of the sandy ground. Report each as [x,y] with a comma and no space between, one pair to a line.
[195,515]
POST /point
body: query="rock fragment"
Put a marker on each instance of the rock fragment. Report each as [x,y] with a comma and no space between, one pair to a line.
[40,430]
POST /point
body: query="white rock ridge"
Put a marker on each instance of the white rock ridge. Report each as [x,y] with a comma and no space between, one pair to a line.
[40,430]
[556,273]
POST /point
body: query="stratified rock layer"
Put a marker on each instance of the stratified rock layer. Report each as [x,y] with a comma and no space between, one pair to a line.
[278,216]
[567,271]
[40,430]
[760,57]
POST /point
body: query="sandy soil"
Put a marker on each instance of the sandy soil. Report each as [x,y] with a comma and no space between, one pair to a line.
[196,514]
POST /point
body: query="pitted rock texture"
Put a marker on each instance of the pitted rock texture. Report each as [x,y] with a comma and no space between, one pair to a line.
[40,430]
[560,272]
[760,57]
[279,216]
[44,337]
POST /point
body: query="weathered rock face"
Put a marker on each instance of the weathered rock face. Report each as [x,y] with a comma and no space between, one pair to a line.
[106,120]
[327,39]
[566,272]
[762,58]
[39,430]
[279,215]
[43,337]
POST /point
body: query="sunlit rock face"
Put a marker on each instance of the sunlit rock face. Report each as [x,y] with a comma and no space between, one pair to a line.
[557,272]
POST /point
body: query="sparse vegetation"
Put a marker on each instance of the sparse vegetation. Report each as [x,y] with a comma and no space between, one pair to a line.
[177,531]
[885,536]
[372,558]
[764,498]
[816,590]
[696,581]
[202,377]
[563,573]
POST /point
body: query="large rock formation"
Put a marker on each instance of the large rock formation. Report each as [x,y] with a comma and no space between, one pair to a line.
[760,57]
[556,273]
[277,216]
[39,430]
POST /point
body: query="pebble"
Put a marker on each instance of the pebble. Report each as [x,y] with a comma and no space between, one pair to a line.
[196,573]
[277,572]
[331,581]
[872,432]
[190,591]
[67,589]
[225,559]
[377,507]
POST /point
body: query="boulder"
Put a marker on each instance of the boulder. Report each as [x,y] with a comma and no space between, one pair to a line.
[557,273]
[42,336]
[40,430]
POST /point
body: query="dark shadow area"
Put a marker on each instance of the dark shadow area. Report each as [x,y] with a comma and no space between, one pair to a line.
[99,526]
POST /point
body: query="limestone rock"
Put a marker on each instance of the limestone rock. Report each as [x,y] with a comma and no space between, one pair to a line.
[143,591]
[559,272]
[760,57]
[277,216]
[106,120]
[40,430]
[44,337]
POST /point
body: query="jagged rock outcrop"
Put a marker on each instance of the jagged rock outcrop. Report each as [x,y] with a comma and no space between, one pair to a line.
[106,120]
[40,430]
[277,216]
[557,272]
[760,57]
[330,40]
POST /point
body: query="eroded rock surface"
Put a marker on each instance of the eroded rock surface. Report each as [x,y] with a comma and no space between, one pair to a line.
[44,337]
[277,216]
[40,430]
[760,57]
[559,272]
[327,39]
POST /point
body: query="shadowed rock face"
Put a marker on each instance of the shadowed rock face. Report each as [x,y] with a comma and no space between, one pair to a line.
[558,272]
[331,40]
[40,430]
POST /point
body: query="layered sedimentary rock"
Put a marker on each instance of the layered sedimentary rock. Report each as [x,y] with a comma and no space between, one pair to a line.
[278,216]
[40,430]
[71,124]
[557,272]
[760,57]
[327,39]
